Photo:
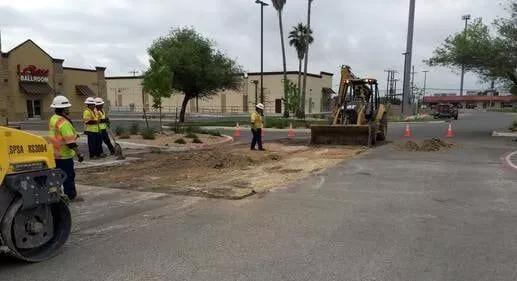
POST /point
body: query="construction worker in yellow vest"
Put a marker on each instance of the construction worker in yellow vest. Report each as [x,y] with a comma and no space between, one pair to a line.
[63,137]
[103,125]
[91,128]
[256,127]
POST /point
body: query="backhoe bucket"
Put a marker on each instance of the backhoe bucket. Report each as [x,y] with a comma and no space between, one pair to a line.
[343,134]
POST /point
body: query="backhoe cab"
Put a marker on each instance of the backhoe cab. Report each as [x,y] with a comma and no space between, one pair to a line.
[357,118]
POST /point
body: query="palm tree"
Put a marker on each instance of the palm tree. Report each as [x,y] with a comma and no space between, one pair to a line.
[279,6]
[304,90]
[299,36]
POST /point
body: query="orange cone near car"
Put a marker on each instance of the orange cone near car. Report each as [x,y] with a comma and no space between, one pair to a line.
[450,133]
[407,132]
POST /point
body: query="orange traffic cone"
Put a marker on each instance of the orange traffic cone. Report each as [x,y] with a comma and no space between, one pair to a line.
[407,132]
[237,131]
[450,133]
[291,133]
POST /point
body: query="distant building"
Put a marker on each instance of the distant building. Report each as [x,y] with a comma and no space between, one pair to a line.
[125,94]
[30,78]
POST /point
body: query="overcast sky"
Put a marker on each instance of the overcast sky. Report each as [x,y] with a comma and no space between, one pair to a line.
[368,35]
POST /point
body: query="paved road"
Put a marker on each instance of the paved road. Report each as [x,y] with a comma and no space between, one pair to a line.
[387,215]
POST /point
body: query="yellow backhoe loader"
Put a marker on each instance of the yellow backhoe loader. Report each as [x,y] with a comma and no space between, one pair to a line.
[35,221]
[357,117]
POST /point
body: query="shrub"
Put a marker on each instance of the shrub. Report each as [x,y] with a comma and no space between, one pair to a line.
[180,141]
[119,131]
[215,133]
[191,135]
[196,140]
[124,136]
[148,134]
[134,129]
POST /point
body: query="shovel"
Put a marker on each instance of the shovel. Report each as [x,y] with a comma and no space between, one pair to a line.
[118,148]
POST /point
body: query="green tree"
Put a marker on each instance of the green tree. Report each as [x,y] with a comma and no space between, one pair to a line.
[292,102]
[299,36]
[200,70]
[279,6]
[492,57]
[157,82]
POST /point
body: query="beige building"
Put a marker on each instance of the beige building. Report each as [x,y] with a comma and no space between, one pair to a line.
[125,94]
[30,78]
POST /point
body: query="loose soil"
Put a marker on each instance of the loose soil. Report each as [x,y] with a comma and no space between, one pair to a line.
[168,139]
[429,145]
[231,171]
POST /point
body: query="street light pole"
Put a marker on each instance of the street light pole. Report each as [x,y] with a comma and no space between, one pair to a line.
[466,18]
[262,5]
[256,90]
[408,54]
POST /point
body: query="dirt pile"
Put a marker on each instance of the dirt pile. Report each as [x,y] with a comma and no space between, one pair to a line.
[429,145]
[231,172]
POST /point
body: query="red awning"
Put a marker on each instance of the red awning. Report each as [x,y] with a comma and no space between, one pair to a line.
[84,90]
[36,88]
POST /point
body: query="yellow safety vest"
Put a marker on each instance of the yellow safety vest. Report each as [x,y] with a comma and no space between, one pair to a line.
[256,121]
[101,115]
[61,132]
[89,115]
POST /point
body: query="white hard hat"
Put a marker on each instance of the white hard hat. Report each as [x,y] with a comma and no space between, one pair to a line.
[99,101]
[60,102]
[89,100]
[260,106]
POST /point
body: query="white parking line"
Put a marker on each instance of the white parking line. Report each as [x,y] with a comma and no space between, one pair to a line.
[508,159]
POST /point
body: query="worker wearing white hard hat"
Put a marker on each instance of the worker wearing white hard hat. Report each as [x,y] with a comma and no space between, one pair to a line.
[257,124]
[63,137]
[103,125]
[91,128]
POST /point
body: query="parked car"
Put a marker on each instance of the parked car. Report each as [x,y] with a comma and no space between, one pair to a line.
[445,111]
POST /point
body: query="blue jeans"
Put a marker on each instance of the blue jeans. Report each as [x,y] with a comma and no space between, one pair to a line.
[257,138]
[94,144]
[67,165]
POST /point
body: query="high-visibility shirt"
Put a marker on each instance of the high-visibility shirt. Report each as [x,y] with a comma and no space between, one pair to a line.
[61,132]
[89,115]
[101,115]
[256,120]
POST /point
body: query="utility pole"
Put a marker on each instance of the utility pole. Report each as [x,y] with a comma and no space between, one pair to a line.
[262,5]
[408,54]
[466,18]
[425,80]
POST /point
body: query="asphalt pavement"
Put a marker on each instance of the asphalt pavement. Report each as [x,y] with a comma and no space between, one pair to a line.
[386,215]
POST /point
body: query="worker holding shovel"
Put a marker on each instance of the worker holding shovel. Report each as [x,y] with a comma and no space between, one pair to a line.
[103,125]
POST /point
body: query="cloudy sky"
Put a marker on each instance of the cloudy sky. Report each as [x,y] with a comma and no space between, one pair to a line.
[369,35]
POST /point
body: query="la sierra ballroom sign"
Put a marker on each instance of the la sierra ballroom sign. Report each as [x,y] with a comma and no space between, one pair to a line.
[33,74]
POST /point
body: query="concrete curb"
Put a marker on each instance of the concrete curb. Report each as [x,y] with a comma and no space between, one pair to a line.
[248,128]
[132,145]
[417,122]
[504,134]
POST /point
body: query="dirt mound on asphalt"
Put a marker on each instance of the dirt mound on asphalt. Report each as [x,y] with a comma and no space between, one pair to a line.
[429,145]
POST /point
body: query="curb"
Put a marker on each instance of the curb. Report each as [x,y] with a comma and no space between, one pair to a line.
[504,134]
[266,129]
[227,139]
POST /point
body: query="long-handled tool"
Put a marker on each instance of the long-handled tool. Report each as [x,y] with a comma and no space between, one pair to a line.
[118,148]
